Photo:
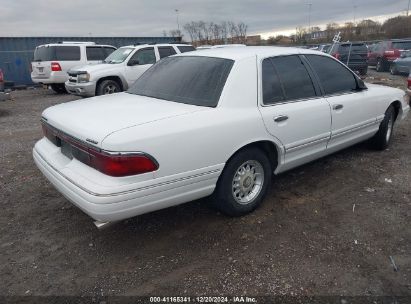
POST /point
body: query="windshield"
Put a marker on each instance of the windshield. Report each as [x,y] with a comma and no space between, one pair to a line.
[194,80]
[118,56]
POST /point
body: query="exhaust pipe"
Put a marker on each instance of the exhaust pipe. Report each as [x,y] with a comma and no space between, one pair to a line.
[102,225]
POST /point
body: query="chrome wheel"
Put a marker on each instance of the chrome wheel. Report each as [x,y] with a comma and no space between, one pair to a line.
[389,129]
[248,182]
[110,89]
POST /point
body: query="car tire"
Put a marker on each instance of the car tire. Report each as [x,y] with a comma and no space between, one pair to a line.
[58,88]
[108,87]
[363,71]
[383,137]
[380,67]
[243,183]
[393,70]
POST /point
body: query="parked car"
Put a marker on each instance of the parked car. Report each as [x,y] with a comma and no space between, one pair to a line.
[119,70]
[401,65]
[1,81]
[382,54]
[52,61]
[219,121]
[409,85]
[324,48]
[353,54]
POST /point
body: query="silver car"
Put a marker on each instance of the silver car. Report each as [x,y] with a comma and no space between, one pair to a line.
[401,65]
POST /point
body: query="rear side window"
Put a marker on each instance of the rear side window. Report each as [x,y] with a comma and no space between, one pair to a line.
[145,56]
[95,53]
[401,45]
[334,77]
[294,77]
[191,80]
[185,48]
[272,90]
[61,53]
[166,51]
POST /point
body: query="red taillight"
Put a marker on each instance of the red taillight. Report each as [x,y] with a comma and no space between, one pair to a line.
[121,165]
[113,164]
[55,67]
[337,55]
[409,82]
[392,54]
[1,76]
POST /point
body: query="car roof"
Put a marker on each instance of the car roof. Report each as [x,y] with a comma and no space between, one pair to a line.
[241,52]
[156,44]
[74,44]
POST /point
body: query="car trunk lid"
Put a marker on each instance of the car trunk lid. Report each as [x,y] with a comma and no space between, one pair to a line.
[93,119]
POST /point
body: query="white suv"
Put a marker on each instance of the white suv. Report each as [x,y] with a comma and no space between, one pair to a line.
[119,70]
[52,61]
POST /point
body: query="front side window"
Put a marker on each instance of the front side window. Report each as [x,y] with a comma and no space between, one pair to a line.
[185,48]
[144,56]
[194,80]
[334,77]
[272,90]
[166,51]
[294,77]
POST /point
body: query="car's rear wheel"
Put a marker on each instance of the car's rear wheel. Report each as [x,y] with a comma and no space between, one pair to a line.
[383,138]
[108,87]
[243,183]
[393,70]
[380,67]
[59,88]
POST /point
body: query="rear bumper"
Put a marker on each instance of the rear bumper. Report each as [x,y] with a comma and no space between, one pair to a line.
[81,89]
[118,203]
[55,77]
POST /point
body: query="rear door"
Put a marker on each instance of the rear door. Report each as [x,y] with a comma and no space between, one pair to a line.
[138,63]
[354,114]
[293,109]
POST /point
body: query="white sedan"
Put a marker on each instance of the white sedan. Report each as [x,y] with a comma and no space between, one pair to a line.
[221,121]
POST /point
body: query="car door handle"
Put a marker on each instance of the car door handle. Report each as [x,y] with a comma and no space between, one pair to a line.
[280,118]
[338,107]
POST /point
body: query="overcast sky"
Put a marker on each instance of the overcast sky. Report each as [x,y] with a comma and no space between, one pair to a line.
[151,17]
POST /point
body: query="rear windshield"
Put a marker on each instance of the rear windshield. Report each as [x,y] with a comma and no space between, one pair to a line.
[187,79]
[401,45]
[60,53]
[358,47]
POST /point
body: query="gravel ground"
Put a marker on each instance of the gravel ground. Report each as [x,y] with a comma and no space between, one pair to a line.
[327,228]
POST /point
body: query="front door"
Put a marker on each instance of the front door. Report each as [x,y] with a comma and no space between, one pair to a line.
[138,63]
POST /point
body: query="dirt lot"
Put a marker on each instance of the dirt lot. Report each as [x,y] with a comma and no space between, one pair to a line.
[328,228]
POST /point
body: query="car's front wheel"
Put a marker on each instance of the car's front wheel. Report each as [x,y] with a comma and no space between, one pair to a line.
[58,88]
[382,139]
[243,183]
[393,70]
[108,87]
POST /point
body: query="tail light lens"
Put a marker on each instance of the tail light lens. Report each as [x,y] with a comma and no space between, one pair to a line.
[55,67]
[1,76]
[409,82]
[337,55]
[392,54]
[112,164]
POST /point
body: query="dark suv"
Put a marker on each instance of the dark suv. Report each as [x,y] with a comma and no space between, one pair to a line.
[352,54]
[383,53]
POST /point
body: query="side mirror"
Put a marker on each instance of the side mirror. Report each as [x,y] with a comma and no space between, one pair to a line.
[361,85]
[133,62]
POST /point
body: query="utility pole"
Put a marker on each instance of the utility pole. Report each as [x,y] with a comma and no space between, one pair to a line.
[309,18]
[408,9]
[178,23]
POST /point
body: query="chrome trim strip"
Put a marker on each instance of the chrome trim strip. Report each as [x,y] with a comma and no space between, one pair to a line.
[344,132]
[304,145]
[128,191]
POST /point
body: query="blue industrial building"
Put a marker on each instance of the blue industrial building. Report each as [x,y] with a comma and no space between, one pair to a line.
[16,53]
